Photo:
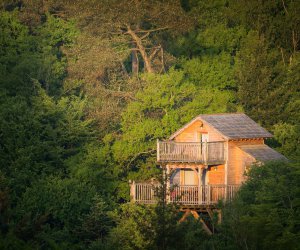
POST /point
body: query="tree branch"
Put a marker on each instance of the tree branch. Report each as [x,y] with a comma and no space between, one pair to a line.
[139,154]
[154,52]
[152,30]
[144,36]
[285,9]
[141,48]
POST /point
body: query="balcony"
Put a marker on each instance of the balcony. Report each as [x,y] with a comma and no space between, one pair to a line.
[183,195]
[207,153]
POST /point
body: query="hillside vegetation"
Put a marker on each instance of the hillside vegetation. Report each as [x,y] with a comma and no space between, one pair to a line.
[86,89]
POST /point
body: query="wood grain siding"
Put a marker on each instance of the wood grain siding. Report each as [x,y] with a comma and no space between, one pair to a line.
[190,133]
[182,167]
[247,161]
[237,160]
[213,134]
[216,175]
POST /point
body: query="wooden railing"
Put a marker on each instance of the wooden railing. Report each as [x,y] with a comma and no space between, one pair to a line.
[200,152]
[146,193]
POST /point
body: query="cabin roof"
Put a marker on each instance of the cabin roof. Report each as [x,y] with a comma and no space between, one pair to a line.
[262,152]
[231,126]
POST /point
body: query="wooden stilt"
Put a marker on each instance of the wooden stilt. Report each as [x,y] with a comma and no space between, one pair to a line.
[186,214]
[210,213]
[167,179]
[219,211]
[205,227]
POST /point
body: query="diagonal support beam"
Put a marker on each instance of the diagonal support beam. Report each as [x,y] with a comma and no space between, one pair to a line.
[204,226]
[210,213]
[185,215]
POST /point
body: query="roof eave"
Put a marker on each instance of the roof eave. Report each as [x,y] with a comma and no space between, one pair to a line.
[249,138]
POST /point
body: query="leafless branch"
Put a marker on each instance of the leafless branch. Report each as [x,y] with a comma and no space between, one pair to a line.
[282,56]
[154,52]
[285,9]
[144,36]
[162,60]
[152,30]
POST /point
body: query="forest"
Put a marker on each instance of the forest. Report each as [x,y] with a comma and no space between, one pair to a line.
[88,86]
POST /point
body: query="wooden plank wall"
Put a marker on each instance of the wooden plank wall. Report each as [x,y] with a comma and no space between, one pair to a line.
[237,160]
[190,133]
[216,175]
[236,157]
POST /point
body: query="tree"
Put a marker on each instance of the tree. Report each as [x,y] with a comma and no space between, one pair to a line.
[156,226]
[42,128]
[82,105]
[255,76]
[265,214]
[277,20]
[200,87]
[137,23]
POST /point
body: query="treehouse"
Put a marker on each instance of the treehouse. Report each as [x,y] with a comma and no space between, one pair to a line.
[206,160]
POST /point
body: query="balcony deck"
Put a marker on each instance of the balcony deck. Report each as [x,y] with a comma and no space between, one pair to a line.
[183,195]
[208,153]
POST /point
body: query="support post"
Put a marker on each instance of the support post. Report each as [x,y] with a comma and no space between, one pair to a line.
[226,145]
[132,190]
[206,149]
[152,190]
[210,213]
[167,179]
[199,185]
[219,216]
[205,227]
[185,215]
[209,194]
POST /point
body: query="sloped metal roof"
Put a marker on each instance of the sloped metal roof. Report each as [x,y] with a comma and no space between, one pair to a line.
[262,152]
[231,126]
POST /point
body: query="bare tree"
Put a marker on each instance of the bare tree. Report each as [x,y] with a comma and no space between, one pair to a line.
[134,25]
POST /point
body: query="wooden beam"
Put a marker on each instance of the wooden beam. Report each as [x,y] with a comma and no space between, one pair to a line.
[168,179]
[204,226]
[185,215]
[199,185]
[210,213]
[219,211]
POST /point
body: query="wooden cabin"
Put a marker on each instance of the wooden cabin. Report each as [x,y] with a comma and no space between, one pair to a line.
[207,158]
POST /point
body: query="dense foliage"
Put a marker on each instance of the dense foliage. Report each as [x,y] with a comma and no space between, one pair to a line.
[265,215]
[86,89]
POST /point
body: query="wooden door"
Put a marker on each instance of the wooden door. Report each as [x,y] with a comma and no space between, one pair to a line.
[189,177]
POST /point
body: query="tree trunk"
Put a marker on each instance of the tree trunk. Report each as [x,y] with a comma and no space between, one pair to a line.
[134,62]
[142,50]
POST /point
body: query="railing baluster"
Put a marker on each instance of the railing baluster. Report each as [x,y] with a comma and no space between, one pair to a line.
[170,151]
[185,194]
